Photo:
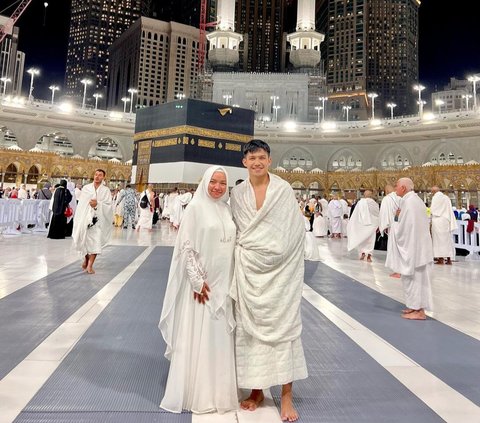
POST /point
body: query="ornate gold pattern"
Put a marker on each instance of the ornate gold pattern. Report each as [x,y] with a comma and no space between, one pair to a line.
[206,144]
[51,165]
[191,130]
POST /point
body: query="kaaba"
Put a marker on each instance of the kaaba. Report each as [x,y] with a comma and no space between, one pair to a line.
[174,143]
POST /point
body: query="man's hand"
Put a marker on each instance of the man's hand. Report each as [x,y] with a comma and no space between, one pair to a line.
[203,296]
[93,203]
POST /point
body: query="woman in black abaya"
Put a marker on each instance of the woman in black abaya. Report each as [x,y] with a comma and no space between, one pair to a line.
[61,199]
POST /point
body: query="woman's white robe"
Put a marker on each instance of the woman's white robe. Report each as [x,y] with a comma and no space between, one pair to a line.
[363,225]
[443,226]
[199,338]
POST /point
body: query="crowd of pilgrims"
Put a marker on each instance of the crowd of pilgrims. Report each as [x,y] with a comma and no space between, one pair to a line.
[138,210]
[332,218]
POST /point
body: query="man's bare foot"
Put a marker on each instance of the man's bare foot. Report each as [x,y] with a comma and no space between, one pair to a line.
[439,261]
[407,310]
[253,401]
[85,263]
[415,315]
[287,410]
[362,256]
[395,275]
[449,261]
[369,258]
[90,270]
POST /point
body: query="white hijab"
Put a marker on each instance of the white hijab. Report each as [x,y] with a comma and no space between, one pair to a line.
[208,231]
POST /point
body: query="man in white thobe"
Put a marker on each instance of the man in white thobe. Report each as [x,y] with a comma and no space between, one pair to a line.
[388,208]
[362,226]
[413,251]
[180,204]
[335,214]
[268,281]
[443,226]
[22,192]
[92,226]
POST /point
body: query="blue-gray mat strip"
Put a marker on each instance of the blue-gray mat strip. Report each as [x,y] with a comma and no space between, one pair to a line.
[447,353]
[118,365]
[105,417]
[345,384]
[32,313]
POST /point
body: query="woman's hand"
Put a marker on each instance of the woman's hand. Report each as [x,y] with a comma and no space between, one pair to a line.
[203,296]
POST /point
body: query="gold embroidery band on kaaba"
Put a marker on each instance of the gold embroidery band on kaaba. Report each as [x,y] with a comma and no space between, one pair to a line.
[192,130]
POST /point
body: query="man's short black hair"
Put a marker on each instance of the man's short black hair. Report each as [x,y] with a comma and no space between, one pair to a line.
[101,170]
[254,145]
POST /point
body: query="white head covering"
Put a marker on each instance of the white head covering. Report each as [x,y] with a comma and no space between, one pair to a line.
[208,232]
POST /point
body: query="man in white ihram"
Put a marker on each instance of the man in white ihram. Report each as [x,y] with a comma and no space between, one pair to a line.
[413,251]
[362,226]
[92,225]
[268,281]
[443,224]
[388,208]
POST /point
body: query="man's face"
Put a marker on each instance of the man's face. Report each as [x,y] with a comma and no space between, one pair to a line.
[257,163]
[400,190]
[98,177]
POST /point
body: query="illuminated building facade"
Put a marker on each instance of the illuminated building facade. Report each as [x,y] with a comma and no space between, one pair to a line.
[370,46]
[156,58]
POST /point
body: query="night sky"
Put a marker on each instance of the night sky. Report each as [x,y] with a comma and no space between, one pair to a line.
[449,41]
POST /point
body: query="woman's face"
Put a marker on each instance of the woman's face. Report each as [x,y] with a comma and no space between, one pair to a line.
[217,185]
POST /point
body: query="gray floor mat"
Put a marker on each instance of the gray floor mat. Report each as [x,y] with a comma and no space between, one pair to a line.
[447,353]
[117,367]
[345,384]
[36,310]
[104,417]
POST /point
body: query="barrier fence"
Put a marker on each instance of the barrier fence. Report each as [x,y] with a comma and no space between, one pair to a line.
[23,216]
[469,241]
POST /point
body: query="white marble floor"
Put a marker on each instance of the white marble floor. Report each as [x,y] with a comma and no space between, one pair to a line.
[27,258]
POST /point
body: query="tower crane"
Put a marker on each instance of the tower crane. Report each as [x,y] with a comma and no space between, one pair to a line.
[202,52]
[7,27]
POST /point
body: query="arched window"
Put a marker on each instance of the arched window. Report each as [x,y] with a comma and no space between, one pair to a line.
[345,160]
[106,148]
[11,173]
[297,157]
[33,175]
[56,142]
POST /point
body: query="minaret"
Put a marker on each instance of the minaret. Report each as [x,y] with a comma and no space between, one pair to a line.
[224,41]
[305,42]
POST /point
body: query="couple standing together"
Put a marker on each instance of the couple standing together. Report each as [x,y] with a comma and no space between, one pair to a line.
[253,254]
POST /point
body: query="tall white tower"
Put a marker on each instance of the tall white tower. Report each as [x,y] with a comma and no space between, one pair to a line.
[224,41]
[305,42]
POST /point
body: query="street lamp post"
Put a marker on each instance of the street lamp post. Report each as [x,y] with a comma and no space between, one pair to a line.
[419,88]
[132,92]
[32,72]
[439,103]
[85,82]
[467,98]
[5,81]
[391,106]
[347,110]
[125,101]
[474,79]
[275,109]
[53,88]
[373,96]
[227,98]
[96,96]
[323,100]
[318,108]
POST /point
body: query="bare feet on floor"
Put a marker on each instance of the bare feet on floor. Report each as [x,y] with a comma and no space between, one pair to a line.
[253,401]
[449,261]
[395,275]
[369,258]
[407,310]
[287,411]
[362,256]
[90,270]
[415,315]
[85,263]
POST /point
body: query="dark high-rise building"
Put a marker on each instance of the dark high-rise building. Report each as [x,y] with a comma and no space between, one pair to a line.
[94,26]
[371,46]
[261,24]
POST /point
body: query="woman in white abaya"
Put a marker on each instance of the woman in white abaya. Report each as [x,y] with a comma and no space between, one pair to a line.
[197,318]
